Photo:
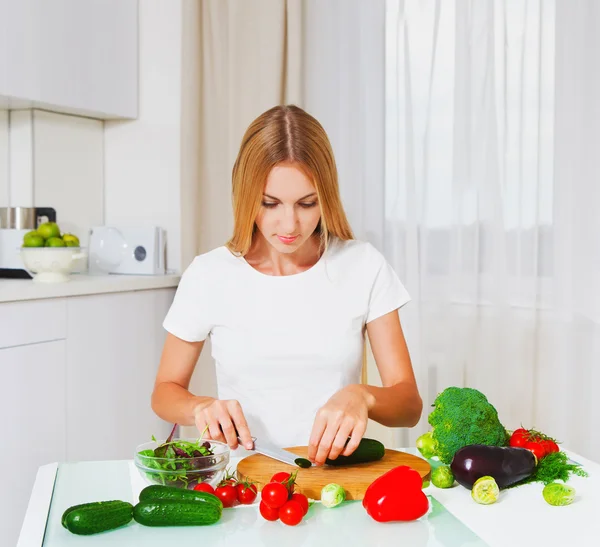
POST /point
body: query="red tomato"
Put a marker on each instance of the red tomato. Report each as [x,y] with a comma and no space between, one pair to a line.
[291,513]
[204,487]
[536,448]
[549,446]
[284,478]
[518,438]
[274,495]
[227,494]
[246,493]
[302,500]
[267,512]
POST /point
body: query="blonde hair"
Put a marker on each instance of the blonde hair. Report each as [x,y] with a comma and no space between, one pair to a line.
[285,134]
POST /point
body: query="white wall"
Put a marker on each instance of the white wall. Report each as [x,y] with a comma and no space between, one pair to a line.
[3,158]
[69,170]
[151,163]
[55,160]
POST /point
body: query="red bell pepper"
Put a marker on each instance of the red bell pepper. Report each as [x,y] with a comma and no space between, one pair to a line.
[396,495]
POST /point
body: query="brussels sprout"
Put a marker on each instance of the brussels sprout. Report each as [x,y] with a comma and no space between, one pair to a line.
[442,477]
[332,495]
[556,493]
[426,445]
[485,490]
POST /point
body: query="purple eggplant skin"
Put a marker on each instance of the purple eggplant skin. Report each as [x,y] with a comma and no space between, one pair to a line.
[506,464]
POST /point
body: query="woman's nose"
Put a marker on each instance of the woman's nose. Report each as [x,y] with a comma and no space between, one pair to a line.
[288,222]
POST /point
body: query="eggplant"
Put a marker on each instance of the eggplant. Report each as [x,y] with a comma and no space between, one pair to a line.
[506,464]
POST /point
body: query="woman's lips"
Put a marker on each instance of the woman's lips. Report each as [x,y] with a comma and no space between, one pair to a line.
[287,240]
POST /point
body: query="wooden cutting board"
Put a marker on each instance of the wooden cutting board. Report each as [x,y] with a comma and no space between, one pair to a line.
[354,478]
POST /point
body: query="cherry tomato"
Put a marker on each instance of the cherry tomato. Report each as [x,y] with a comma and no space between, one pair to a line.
[518,438]
[267,512]
[274,495]
[302,501]
[246,493]
[536,448]
[549,446]
[291,513]
[282,476]
[285,479]
[204,487]
[227,494]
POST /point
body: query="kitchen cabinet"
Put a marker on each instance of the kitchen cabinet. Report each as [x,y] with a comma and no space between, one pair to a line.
[33,425]
[115,342]
[72,56]
[77,375]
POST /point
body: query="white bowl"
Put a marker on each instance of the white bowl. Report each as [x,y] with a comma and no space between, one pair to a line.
[51,264]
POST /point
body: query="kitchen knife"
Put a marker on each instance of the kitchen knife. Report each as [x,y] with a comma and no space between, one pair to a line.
[270,450]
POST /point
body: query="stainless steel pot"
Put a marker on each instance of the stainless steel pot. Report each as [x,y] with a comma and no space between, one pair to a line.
[25,218]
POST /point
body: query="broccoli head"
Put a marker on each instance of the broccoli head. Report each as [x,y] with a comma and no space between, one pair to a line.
[463,416]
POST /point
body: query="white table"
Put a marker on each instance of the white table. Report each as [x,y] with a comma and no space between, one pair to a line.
[520,517]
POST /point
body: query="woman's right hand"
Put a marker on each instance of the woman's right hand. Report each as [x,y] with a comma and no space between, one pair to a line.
[223,418]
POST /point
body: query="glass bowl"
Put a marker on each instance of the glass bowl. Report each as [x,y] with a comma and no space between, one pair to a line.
[182,472]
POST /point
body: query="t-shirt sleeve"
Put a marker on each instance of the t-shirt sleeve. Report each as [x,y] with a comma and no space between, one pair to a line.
[387,293]
[189,316]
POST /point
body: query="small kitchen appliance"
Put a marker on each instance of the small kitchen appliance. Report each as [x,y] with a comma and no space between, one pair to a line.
[15,222]
[127,250]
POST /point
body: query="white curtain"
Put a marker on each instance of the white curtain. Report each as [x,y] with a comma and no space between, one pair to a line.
[486,205]
[465,133]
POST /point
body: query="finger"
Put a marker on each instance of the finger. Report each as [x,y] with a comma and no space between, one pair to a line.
[229,431]
[214,429]
[326,442]
[241,425]
[339,443]
[355,438]
[315,437]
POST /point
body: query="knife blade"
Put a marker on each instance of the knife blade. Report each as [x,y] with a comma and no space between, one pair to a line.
[271,451]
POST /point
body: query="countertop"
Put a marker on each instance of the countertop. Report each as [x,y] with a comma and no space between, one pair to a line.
[14,290]
[520,517]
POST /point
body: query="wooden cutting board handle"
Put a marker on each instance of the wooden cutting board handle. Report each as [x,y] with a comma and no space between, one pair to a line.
[354,478]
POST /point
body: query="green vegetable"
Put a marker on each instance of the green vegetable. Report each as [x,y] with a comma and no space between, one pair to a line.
[332,495]
[158,492]
[462,417]
[96,517]
[178,462]
[426,445]
[303,463]
[426,484]
[176,513]
[485,491]
[558,494]
[442,477]
[553,467]
[368,450]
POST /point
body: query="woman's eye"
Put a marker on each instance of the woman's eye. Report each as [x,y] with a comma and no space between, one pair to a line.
[308,205]
[269,204]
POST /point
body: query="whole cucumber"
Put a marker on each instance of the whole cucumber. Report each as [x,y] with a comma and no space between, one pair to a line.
[159,492]
[176,513]
[96,517]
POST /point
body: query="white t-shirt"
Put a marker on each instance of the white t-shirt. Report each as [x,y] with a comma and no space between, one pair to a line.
[283,345]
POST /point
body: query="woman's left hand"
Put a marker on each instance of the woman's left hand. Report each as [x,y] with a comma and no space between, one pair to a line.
[345,415]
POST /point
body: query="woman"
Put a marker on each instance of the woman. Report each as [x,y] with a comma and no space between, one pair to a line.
[286,303]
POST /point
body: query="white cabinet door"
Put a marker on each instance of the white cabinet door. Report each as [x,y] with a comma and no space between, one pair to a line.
[115,342]
[73,56]
[32,427]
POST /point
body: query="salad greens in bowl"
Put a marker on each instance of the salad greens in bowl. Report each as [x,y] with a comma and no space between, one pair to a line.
[183,463]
